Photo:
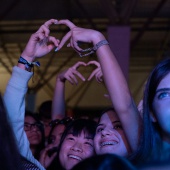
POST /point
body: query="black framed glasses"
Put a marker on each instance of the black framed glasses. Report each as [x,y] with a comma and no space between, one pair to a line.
[30,126]
[64,121]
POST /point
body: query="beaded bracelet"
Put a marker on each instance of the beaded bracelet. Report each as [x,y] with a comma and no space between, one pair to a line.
[94,49]
[27,63]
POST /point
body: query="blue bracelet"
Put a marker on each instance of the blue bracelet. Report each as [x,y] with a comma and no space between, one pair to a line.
[27,63]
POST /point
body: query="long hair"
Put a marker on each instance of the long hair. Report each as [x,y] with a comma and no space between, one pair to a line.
[42,144]
[9,154]
[151,142]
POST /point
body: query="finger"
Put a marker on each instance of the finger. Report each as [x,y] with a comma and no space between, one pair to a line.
[44,30]
[107,96]
[79,75]
[92,74]
[75,46]
[50,22]
[67,22]
[40,36]
[78,64]
[74,79]
[68,45]
[54,40]
[72,45]
[70,79]
[99,77]
[64,40]
[71,42]
[94,62]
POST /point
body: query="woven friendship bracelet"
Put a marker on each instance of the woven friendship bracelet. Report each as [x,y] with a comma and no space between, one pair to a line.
[94,49]
[27,63]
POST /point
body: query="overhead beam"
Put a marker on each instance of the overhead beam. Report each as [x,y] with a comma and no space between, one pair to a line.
[127,8]
[85,13]
[40,85]
[147,23]
[9,9]
[110,11]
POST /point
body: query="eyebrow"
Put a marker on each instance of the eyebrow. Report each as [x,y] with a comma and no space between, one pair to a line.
[117,121]
[162,89]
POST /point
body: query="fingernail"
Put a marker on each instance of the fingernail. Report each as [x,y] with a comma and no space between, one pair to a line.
[56,50]
[56,22]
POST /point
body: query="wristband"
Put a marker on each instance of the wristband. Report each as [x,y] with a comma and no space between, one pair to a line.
[27,63]
[95,48]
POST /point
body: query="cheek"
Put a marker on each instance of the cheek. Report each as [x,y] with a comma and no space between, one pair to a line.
[161,107]
[161,112]
[89,151]
[61,154]
[39,134]
[28,134]
[64,147]
[96,139]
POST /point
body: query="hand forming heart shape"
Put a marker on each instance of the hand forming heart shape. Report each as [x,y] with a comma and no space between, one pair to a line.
[71,73]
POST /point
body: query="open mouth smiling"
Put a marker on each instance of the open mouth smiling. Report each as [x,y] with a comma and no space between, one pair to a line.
[75,157]
[108,143]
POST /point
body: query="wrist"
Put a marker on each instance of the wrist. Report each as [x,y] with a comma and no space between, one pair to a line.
[90,51]
[26,65]
[27,57]
[97,37]
[60,80]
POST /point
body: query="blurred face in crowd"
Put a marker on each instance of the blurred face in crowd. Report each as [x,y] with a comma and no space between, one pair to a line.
[32,129]
[56,134]
[110,136]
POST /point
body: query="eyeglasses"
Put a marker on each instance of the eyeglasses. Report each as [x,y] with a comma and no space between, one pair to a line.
[29,126]
[64,121]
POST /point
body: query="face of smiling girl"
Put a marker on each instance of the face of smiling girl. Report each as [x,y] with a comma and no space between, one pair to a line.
[110,137]
[74,149]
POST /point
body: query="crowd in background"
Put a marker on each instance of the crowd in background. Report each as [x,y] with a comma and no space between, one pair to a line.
[123,137]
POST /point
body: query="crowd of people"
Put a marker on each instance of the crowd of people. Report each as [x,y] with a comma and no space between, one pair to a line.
[122,138]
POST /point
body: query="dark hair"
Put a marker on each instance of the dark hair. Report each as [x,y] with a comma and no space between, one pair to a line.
[75,127]
[104,162]
[42,144]
[106,110]
[159,165]
[45,109]
[9,154]
[150,144]
[54,123]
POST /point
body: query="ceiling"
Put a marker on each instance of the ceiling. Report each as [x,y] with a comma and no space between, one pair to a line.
[149,21]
